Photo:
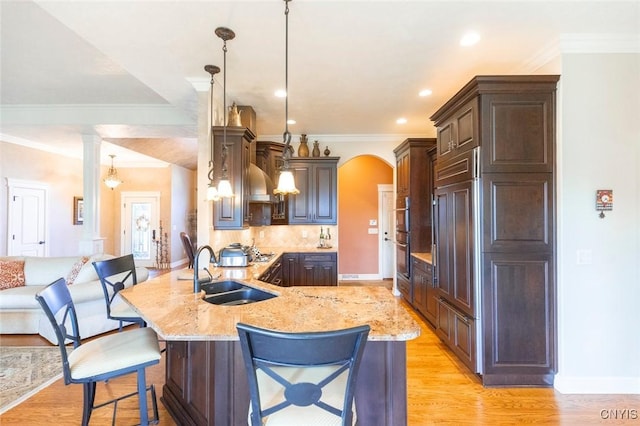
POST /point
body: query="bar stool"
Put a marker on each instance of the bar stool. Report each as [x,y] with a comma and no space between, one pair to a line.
[102,358]
[302,378]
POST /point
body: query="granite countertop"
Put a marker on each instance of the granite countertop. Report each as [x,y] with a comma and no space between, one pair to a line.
[425,257]
[170,307]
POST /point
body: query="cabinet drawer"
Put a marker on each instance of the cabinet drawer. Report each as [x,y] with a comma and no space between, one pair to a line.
[318,257]
[455,170]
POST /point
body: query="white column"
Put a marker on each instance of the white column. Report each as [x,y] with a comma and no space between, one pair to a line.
[91,241]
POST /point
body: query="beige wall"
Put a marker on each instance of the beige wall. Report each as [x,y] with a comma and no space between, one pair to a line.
[64,177]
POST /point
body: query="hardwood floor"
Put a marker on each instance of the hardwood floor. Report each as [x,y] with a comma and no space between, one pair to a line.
[440,391]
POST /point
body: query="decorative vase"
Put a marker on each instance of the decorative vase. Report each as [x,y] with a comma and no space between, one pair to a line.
[316,150]
[303,149]
[327,152]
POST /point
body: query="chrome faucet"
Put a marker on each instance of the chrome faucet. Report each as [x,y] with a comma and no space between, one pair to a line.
[196,276]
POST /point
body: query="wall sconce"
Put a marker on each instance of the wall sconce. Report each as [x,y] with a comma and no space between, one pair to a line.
[112,179]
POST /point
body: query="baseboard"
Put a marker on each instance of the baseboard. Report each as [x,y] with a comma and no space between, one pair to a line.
[597,385]
[359,277]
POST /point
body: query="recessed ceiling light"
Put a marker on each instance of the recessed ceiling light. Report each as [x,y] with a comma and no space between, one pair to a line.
[469,39]
[401,121]
[291,121]
[281,93]
[425,92]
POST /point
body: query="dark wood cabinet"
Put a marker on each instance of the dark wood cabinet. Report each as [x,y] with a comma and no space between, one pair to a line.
[494,225]
[310,269]
[458,331]
[273,275]
[233,213]
[405,288]
[206,383]
[425,296]
[455,250]
[414,189]
[316,178]
[458,133]
[318,269]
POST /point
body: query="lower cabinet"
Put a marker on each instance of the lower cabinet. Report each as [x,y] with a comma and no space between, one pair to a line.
[206,384]
[309,269]
[458,331]
[404,285]
[273,275]
[425,298]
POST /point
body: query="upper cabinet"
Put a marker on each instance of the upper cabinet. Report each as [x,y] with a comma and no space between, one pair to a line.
[458,134]
[316,178]
[233,213]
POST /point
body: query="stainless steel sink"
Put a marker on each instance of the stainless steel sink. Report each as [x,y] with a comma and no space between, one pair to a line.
[221,286]
[230,293]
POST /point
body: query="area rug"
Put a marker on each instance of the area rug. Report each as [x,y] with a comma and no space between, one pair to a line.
[26,370]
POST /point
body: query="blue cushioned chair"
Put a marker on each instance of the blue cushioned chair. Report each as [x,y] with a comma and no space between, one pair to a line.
[113,274]
[102,358]
[302,378]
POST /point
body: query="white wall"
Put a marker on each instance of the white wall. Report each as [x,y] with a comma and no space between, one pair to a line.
[599,148]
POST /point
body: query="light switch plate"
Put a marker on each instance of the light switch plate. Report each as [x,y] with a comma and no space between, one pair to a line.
[373,222]
[372,230]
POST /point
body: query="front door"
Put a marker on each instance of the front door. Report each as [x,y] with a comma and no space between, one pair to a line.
[141,233]
[27,218]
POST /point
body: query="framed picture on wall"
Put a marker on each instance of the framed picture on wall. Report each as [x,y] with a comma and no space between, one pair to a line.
[78,208]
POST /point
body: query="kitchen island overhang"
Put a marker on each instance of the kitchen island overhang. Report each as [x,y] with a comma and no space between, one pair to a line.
[205,378]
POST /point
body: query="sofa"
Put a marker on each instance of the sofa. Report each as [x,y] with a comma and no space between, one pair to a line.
[21,277]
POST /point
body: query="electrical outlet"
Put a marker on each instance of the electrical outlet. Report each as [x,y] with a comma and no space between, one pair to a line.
[261,235]
[305,234]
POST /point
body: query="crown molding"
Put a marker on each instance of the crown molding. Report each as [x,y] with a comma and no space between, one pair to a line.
[581,43]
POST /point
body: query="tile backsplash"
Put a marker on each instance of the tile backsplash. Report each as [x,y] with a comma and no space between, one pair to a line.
[290,236]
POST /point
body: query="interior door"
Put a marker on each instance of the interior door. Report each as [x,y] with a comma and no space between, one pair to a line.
[387,220]
[141,232]
[27,219]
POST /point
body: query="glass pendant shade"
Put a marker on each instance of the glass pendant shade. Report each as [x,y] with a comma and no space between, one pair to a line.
[224,189]
[212,193]
[286,184]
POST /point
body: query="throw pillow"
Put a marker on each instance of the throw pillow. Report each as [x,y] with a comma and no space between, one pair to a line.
[11,274]
[75,269]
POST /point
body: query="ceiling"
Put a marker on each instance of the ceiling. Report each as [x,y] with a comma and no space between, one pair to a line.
[129,72]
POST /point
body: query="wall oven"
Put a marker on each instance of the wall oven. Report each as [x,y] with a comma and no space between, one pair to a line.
[402,253]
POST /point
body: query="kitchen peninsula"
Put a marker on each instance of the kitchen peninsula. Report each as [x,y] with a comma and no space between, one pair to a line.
[205,379]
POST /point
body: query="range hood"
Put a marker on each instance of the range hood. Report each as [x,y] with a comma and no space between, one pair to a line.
[260,186]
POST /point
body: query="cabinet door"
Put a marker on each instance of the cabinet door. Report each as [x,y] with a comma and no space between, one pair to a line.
[459,133]
[324,193]
[300,205]
[519,317]
[290,272]
[402,174]
[455,230]
[176,368]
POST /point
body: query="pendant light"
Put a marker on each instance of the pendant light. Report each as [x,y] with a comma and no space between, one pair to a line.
[112,179]
[212,191]
[224,186]
[286,182]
